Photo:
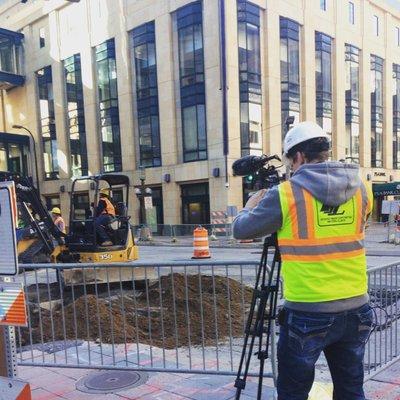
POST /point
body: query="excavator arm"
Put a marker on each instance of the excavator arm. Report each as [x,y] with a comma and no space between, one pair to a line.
[35,215]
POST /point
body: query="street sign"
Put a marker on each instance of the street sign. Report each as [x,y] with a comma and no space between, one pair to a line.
[12,304]
[390,207]
[148,202]
[8,224]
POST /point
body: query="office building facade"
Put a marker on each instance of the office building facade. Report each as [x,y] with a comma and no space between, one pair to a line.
[184,88]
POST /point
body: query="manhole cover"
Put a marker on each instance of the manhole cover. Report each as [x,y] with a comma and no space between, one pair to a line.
[110,381]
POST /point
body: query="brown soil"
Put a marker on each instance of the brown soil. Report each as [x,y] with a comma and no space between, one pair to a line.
[99,318]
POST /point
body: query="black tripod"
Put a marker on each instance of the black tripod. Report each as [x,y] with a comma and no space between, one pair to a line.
[262,315]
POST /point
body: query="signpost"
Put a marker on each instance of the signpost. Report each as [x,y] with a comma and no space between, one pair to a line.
[12,299]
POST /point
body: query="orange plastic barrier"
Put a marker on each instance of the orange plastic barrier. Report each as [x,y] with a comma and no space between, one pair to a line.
[201,248]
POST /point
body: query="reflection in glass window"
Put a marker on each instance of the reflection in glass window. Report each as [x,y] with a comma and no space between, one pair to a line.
[192,89]
[396,115]
[249,77]
[352,57]
[323,80]
[376,110]
[145,64]
[47,122]
[108,106]
[75,115]
[290,70]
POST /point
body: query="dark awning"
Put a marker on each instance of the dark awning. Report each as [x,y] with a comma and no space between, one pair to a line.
[386,189]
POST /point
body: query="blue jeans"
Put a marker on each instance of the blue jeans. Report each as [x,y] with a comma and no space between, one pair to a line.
[100,223]
[341,336]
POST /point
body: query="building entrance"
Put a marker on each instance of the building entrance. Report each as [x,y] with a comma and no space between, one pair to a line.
[195,204]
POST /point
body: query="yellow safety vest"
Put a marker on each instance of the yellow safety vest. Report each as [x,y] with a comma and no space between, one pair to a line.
[322,247]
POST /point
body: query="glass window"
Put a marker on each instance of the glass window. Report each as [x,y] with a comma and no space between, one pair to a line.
[7,60]
[322,4]
[47,122]
[52,201]
[376,111]
[323,80]
[397,38]
[3,157]
[42,37]
[376,25]
[144,63]
[75,115]
[351,13]
[192,89]
[290,70]
[195,204]
[108,106]
[396,115]
[249,77]
[352,56]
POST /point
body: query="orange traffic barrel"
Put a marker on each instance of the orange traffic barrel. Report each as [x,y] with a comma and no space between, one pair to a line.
[200,243]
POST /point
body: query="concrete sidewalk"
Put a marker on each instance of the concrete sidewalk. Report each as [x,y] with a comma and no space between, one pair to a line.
[60,383]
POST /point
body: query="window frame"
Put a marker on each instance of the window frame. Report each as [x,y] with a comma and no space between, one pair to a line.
[75,117]
[396,115]
[377,110]
[192,93]
[290,32]
[250,79]
[147,105]
[376,25]
[47,124]
[108,109]
[352,104]
[352,13]
[323,92]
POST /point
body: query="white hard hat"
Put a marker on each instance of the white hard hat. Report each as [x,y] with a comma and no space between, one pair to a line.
[302,132]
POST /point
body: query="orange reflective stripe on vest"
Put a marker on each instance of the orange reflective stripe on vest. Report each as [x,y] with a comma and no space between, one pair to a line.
[109,208]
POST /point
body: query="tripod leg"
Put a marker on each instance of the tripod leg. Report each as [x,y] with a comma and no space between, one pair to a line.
[252,328]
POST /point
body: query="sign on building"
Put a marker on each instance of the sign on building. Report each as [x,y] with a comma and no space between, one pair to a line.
[8,224]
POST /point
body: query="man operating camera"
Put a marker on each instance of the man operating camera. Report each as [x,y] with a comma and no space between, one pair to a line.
[319,216]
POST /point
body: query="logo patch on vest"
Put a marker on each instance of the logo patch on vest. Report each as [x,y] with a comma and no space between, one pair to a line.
[340,215]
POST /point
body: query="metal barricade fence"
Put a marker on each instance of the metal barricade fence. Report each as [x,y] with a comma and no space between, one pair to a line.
[383,347]
[179,317]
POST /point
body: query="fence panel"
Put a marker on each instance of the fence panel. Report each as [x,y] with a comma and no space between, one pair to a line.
[182,317]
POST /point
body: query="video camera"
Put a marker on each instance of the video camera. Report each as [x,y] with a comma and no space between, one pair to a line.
[262,174]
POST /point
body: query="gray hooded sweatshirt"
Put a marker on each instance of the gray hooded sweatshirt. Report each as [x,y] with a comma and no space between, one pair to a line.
[332,183]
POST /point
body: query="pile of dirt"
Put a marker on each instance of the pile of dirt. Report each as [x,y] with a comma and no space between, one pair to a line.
[188,315]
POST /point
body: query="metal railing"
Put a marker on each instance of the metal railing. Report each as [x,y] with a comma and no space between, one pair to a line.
[180,230]
[383,347]
[172,317]
[175,317]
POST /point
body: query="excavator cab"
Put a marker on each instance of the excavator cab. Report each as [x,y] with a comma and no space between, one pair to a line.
[82,240]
